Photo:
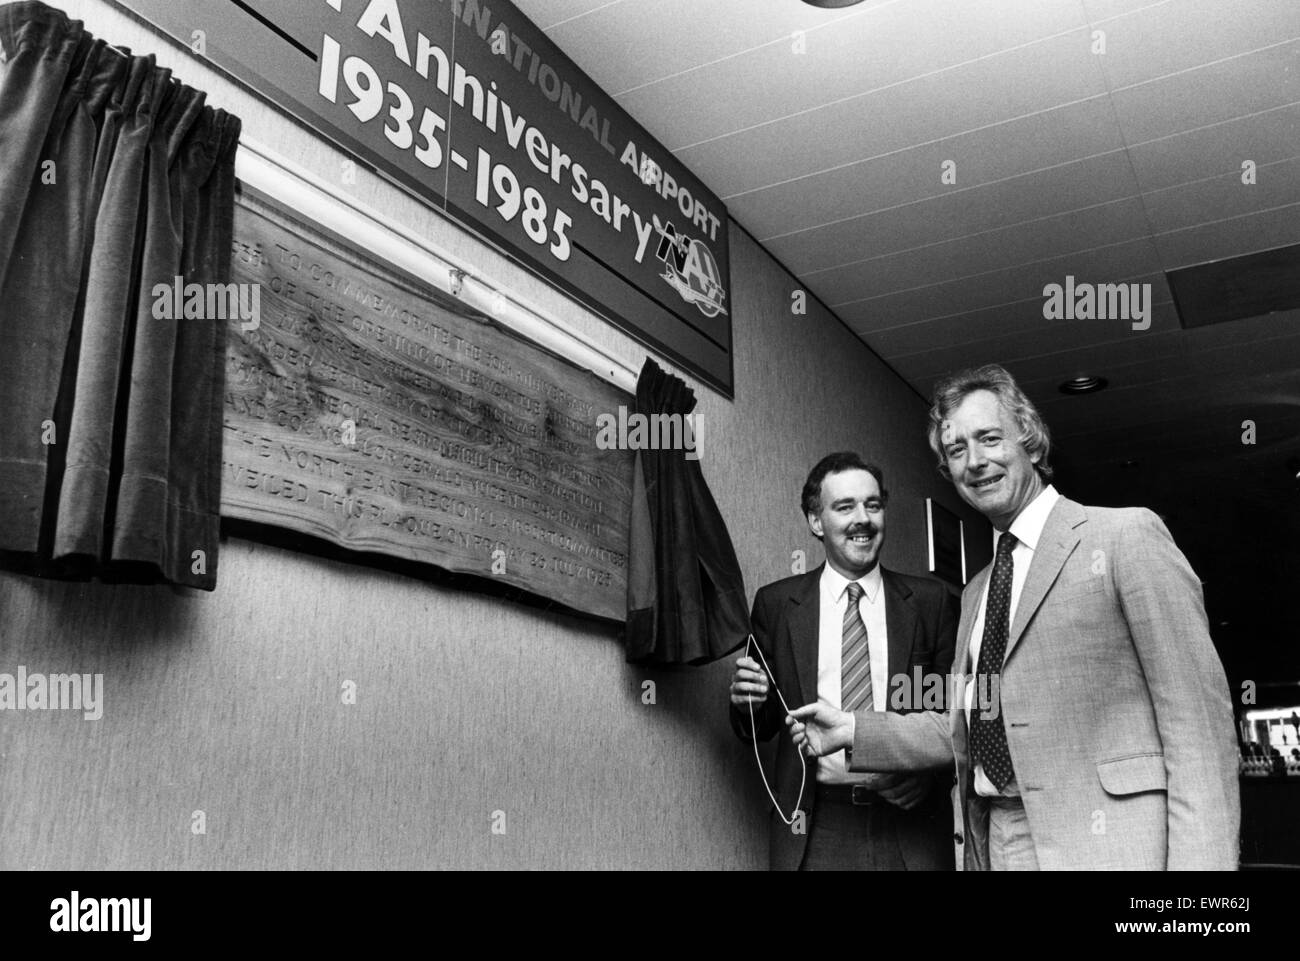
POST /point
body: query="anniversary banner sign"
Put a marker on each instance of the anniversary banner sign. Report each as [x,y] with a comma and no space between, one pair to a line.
[469,105]
[364,408]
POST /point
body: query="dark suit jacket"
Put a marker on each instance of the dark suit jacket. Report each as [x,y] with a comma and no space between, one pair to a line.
[921,620]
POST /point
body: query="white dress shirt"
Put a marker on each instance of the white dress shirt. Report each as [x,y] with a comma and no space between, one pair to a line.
[830,638]
[1027,528]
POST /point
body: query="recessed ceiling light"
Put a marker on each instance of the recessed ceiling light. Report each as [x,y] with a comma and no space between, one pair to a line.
[831,3]
[1086,384]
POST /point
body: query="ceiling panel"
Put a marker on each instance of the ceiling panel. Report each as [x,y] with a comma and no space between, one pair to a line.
[860,58]
[1211,94]
[1064,339]
[640,42]
[923,369]
[880,182]
[1023,321]
[974,257]
[1177,396]
[547,13]
[1144,363]
[1000,287]
[1101,10]
[961,212]
[1245,331]
[985,92]
[1230,238]
[1150,43]
[1219,148]
[1174,208]
[1020,332]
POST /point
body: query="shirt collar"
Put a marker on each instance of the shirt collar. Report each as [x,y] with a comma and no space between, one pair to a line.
[833,583]
[1028,526]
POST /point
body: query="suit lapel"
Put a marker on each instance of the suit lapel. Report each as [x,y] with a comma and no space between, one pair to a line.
[1055,544]
[804,626]
[961,666]
[901,625]
[969,608]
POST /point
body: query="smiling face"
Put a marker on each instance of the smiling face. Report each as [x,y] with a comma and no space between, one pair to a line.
[990,468]
[851,522]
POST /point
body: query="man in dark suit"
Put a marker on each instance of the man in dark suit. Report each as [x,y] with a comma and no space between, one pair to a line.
[852,634]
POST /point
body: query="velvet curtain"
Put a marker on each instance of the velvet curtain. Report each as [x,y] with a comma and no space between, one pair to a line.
[114,177]
[686,592]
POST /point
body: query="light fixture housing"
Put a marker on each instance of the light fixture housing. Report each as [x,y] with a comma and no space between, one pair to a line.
[1084,384]
[831,4]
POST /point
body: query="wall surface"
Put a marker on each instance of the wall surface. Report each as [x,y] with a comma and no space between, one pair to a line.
[230,703]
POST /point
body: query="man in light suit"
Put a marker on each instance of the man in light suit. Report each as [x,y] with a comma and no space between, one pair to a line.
[853,633]
[1092,726]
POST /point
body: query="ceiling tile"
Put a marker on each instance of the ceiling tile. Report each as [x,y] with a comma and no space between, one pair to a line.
[1230,238]
[1028,334]
[547,13]
[1211,94]
[1002,287]
[1209,201]
[1148,359]
[1023,319]
[1011,149]
[970,259]
[960,213]
[1178,392]
[627,45]
[1101,10]
[1179,36]
[938,106]
[1264,138]
[924,369]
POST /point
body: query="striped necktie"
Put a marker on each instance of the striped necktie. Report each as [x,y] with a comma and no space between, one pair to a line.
[855,659]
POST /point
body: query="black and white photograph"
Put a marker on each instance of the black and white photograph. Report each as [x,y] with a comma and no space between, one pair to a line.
[651,436]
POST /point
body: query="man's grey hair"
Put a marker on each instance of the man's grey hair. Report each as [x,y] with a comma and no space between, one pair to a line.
[953,389]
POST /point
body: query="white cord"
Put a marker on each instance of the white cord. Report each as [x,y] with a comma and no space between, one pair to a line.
[803,765]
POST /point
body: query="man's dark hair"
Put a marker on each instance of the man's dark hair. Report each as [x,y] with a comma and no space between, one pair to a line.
[811,500]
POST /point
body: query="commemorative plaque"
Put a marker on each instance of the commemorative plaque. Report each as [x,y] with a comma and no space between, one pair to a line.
[367,408]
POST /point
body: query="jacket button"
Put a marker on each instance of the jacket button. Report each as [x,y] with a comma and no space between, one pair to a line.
[957,837]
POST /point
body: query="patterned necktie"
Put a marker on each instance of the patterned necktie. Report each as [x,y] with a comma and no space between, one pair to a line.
[855,659]
[988,736]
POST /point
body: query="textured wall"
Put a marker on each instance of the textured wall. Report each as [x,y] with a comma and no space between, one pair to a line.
[231,703]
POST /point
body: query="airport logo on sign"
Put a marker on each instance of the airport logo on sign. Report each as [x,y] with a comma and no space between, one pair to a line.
[689,268]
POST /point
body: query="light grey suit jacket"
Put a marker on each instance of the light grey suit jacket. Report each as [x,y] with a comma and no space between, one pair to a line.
[1116,707]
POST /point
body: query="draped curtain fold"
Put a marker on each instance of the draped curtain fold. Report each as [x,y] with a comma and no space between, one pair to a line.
[686,592]
[114,177]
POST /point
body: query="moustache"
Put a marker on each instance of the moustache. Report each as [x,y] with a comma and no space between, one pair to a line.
[855,531]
